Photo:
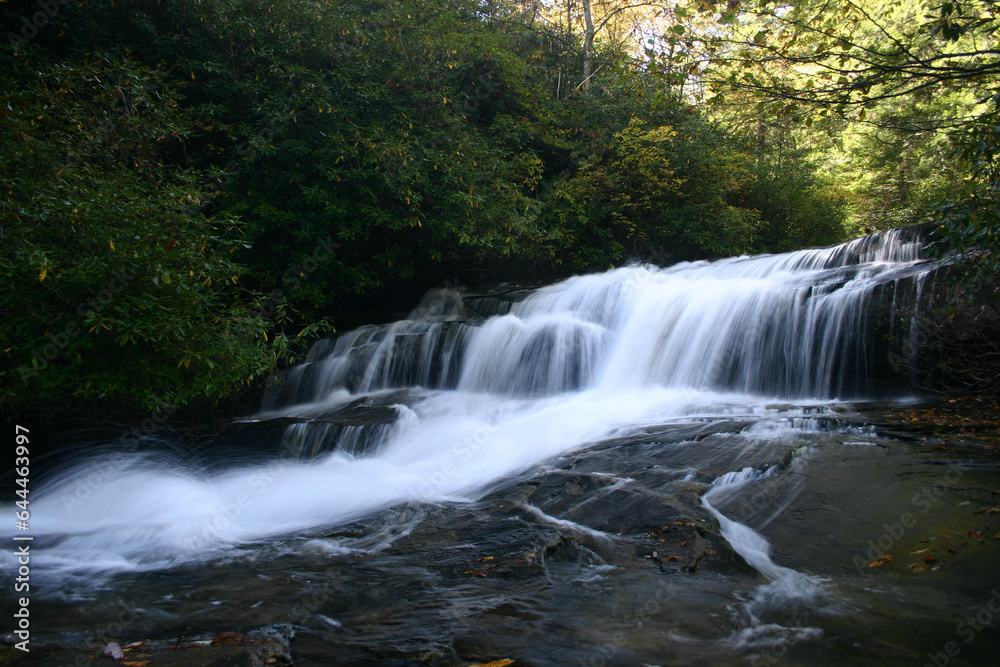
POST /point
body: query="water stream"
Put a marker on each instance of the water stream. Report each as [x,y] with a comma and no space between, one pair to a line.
[633,467]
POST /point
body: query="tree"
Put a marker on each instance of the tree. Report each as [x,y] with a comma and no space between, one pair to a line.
[844,57]
[117,285]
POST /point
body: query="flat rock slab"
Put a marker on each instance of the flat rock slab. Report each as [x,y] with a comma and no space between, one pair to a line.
[228,649]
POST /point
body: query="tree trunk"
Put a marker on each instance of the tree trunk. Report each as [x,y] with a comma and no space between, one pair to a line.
[588,43]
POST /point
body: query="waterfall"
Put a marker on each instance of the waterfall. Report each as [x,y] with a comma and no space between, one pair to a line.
[474,390]
[808,324]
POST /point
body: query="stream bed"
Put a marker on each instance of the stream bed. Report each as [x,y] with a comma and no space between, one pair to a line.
[711,463]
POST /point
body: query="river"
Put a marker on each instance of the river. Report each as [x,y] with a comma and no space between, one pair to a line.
[649,466]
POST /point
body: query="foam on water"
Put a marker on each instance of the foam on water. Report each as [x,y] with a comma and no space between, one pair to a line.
[487,400]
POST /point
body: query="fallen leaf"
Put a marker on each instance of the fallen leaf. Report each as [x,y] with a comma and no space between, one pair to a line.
[930,559]
[495,663]
[974,533]
[882,562]
[914,553]
[136,663]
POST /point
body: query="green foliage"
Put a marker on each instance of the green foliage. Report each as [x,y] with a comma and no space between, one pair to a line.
[117,286]
[652,187]
[973,222]
[884,93]
[247,166]
[900,101]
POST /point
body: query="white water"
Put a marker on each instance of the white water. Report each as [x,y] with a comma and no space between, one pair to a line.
[593,357]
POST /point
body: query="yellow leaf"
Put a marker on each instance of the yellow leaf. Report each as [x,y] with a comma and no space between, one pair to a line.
[265,335]
[884,561]
[112,244]
[45,271]
[495,663]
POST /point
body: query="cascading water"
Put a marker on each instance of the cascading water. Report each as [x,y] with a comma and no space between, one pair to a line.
[804,324]
[465,397]
[569,364]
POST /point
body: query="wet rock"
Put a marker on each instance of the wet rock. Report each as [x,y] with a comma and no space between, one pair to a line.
[260,648]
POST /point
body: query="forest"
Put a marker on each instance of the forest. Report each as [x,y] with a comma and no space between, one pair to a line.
[193,190]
